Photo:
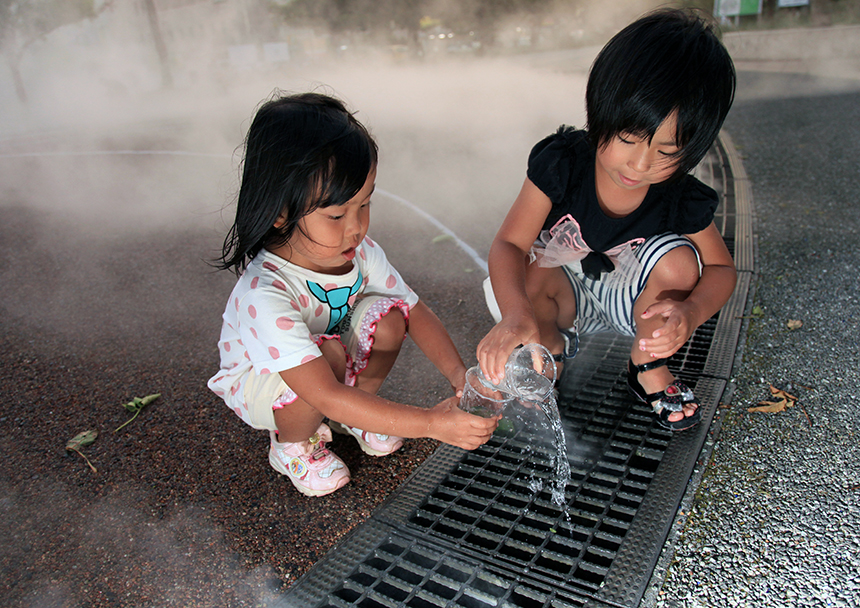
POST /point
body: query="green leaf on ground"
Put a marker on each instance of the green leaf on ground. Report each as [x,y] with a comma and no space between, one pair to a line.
[136,405]
[757,313]
[81,440]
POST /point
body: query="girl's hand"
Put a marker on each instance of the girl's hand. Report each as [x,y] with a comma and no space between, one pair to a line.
[671,336]
[497,345]
[452,425]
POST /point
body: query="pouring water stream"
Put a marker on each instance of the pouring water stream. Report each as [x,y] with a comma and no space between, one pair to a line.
[529,376]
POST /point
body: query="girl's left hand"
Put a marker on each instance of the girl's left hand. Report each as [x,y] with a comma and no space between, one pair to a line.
[671,336]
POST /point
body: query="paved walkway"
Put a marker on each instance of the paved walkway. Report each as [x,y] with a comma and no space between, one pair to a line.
[775,516]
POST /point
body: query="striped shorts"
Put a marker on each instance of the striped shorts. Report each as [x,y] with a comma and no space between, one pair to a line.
[601,309]
[605,309]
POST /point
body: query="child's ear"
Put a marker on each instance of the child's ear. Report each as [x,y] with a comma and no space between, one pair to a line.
[279,223]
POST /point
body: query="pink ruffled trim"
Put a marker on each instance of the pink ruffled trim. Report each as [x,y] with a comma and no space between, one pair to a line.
[367,329]
[564,246]
[286,398]
[355,365]
[349,380]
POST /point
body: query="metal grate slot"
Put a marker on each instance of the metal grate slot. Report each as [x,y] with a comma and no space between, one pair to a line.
[495,503]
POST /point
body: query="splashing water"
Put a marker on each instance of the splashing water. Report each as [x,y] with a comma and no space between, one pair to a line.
[536,389]
[529,377]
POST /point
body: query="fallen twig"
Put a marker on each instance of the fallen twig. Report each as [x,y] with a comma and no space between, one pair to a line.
[136,405]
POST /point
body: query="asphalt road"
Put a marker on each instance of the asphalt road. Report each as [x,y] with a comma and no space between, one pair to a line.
[775,520]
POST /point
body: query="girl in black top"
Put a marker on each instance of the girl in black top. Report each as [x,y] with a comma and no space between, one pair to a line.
[609,231]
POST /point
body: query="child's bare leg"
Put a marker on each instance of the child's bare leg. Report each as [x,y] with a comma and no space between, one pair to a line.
[673,277]
[553,303]
[387,341]
[298,421]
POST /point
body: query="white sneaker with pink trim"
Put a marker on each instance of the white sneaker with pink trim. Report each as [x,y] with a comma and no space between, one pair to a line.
[370,443]
[313,469]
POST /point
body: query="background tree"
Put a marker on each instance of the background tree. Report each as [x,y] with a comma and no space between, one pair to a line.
[23,22]
[380,16]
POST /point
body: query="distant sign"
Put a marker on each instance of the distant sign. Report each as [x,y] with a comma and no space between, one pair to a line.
[791,3]
[735,8]
[242,55]
[276,52]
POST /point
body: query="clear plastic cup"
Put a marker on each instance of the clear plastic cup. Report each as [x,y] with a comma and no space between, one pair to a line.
[529,373]
[480,398]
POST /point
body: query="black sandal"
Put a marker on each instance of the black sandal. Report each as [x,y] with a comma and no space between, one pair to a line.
[666,402]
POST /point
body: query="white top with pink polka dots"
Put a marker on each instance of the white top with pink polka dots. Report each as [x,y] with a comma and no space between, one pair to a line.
[278,311]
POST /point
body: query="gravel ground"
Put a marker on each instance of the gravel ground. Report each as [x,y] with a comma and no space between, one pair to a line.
[184,508]
[776,518]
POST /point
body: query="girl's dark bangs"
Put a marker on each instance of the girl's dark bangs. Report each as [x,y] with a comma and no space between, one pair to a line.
[346,171]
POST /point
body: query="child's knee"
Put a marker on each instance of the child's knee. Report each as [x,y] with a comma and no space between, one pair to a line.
[390,330]
[677,269]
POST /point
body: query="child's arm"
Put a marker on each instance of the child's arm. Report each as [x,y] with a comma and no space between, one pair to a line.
[507,262]
[315,383]
[428,332]
[713,290]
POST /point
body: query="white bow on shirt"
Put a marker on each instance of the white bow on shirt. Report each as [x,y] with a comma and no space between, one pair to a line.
[563,245]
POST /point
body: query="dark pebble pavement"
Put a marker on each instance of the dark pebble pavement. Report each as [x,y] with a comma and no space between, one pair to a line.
[184,508]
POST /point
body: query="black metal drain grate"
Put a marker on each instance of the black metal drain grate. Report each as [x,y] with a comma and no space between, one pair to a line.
[481,529]
[406,571]
[496,504]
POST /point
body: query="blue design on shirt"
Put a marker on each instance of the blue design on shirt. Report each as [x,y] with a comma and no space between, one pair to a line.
[337,299]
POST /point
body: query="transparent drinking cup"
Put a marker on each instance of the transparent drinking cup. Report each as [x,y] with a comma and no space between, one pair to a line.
[529,373]
[480,398]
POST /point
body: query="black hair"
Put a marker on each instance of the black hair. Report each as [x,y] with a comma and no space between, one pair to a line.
[667,61]
[302,152]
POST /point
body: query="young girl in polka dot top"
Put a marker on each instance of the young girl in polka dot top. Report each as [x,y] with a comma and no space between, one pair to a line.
[318,315]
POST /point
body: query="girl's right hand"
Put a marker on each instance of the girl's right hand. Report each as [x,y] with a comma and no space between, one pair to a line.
[497,345]
[452,425]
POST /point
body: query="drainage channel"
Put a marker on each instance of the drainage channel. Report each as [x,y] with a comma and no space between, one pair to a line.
[479,529]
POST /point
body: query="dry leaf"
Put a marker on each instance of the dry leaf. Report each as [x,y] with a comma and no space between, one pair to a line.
[770,407]
[794,323]
[783,400]
[781,394]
